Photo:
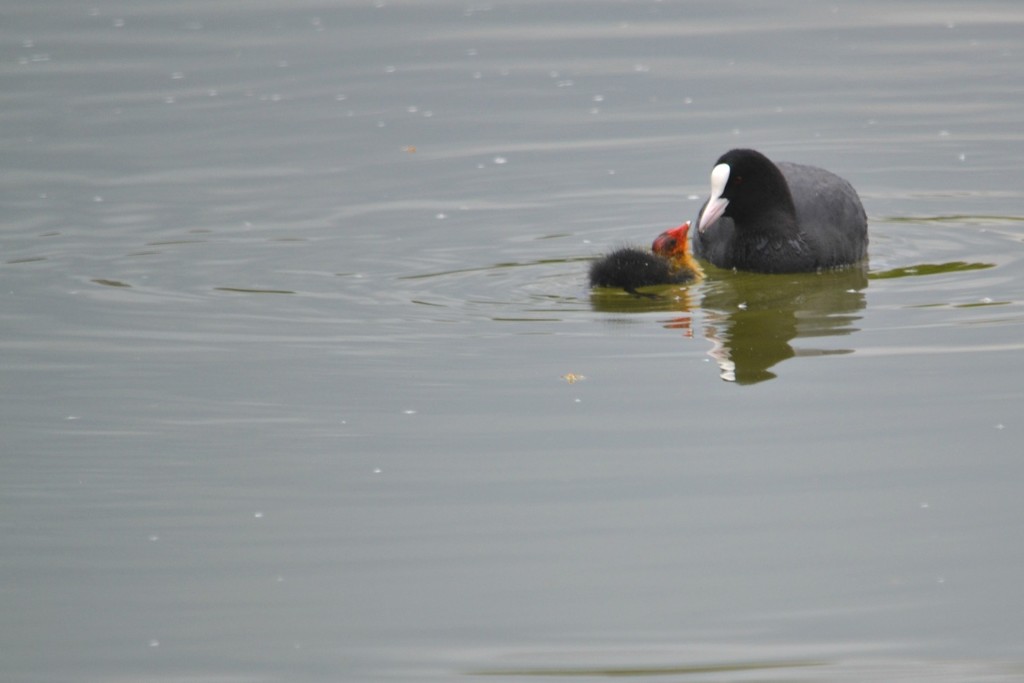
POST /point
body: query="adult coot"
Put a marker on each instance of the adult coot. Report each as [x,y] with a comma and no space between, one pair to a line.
[779,218]
[668,262]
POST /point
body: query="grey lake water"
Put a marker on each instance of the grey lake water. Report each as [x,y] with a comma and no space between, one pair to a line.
[302,381]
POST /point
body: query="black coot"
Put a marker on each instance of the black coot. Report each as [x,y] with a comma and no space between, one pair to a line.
[668,262]
[779,218]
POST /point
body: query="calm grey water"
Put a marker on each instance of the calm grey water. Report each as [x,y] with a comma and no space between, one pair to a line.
[301,380]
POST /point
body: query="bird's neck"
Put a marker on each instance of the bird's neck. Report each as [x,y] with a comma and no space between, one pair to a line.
[680,260]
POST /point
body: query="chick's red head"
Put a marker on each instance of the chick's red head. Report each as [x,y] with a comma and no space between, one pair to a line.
[672,242]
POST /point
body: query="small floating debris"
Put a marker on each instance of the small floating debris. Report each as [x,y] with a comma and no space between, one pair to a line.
[110,283]
[572,377]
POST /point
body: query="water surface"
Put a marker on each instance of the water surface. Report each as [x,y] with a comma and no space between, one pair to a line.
[302,380]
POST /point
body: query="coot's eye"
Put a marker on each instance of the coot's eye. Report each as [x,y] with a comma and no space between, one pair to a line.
[737,180]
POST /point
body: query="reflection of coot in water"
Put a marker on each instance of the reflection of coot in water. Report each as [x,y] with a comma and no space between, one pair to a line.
[629,268]
[755,319]
[784,218]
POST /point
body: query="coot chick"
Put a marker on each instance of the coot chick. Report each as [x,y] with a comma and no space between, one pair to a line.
[674,246]
[779,218]
[629,268]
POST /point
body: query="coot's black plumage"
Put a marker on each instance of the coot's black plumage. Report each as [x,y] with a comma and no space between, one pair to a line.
[668,262]
[779,218]
[630,268]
